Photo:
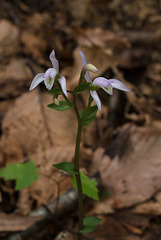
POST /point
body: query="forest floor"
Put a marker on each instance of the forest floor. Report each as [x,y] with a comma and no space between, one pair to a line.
[121,148]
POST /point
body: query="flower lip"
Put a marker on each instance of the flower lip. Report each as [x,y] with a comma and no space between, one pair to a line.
[101,81]
[51,72]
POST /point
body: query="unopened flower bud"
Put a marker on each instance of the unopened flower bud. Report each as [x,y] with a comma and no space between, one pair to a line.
[56,101]
[90,67]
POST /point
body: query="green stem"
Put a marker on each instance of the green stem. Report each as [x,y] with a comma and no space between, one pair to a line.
[87,109]
[76,162]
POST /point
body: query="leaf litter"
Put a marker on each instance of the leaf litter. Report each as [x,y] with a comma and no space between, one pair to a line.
[127,157]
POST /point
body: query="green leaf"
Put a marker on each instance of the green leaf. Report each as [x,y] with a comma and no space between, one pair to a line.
[63,106]
[66,166]
[90,224]
[56,91]
[89,186]
[82,87]
[24,173]
[90,115]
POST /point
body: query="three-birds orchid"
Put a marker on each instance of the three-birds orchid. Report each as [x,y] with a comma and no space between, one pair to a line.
[100,82]
[50,75]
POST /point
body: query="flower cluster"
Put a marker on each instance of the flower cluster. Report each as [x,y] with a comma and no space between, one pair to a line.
[52,75]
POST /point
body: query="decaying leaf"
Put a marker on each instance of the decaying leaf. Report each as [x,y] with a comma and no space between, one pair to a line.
[130,166]
[30,129]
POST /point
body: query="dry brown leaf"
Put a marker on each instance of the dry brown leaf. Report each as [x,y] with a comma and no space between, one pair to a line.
[65,236]
[16,222]
[15,76]
[110,228]
[33,44]
[149,208]
[30,129]
[132,228]
[133,173]
[9,39]
[51,183]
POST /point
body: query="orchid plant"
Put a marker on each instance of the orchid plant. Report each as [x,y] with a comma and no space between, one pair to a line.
[57,86]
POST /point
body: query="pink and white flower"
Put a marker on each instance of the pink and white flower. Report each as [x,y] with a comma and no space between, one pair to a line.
[49,76]
[106,84]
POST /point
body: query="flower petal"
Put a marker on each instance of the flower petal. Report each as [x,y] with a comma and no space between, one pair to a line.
[119,85]
[101,81]
[84,62]
[96,99]
[83,58]
[108,89]
[62,82]
[54,61]
[51,72]
[37,79]
[49,82]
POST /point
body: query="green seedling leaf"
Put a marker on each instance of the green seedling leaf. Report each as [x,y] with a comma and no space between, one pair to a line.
[90,224]
[89,186]
[24,174]
[63,106]
[90,115]
[66,166]
[55,91]
[82,87]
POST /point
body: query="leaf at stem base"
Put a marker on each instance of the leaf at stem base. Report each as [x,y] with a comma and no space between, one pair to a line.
[90,224]
[63,106]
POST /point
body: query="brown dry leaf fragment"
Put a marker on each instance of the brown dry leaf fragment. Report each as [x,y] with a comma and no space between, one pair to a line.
[150,207]
[33,44]
[15,222]
[133,174]
[38,22]
[30,129]
[9,39]
[132,228]
[65,236]
[51,182]
[15,76]
[110,228]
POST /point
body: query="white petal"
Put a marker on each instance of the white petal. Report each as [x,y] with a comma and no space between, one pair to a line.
[49,82]
[83,58]
[54,61]
[84,62]
[37,79]
[62,82]
[51,72]
[108,90]
[101,81]
[119,85]
[96,99]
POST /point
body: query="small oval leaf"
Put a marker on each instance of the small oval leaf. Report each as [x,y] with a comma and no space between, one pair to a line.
[91,115]
[81,88]
[55,91]
[63,106]
[90,223]
[66,166]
